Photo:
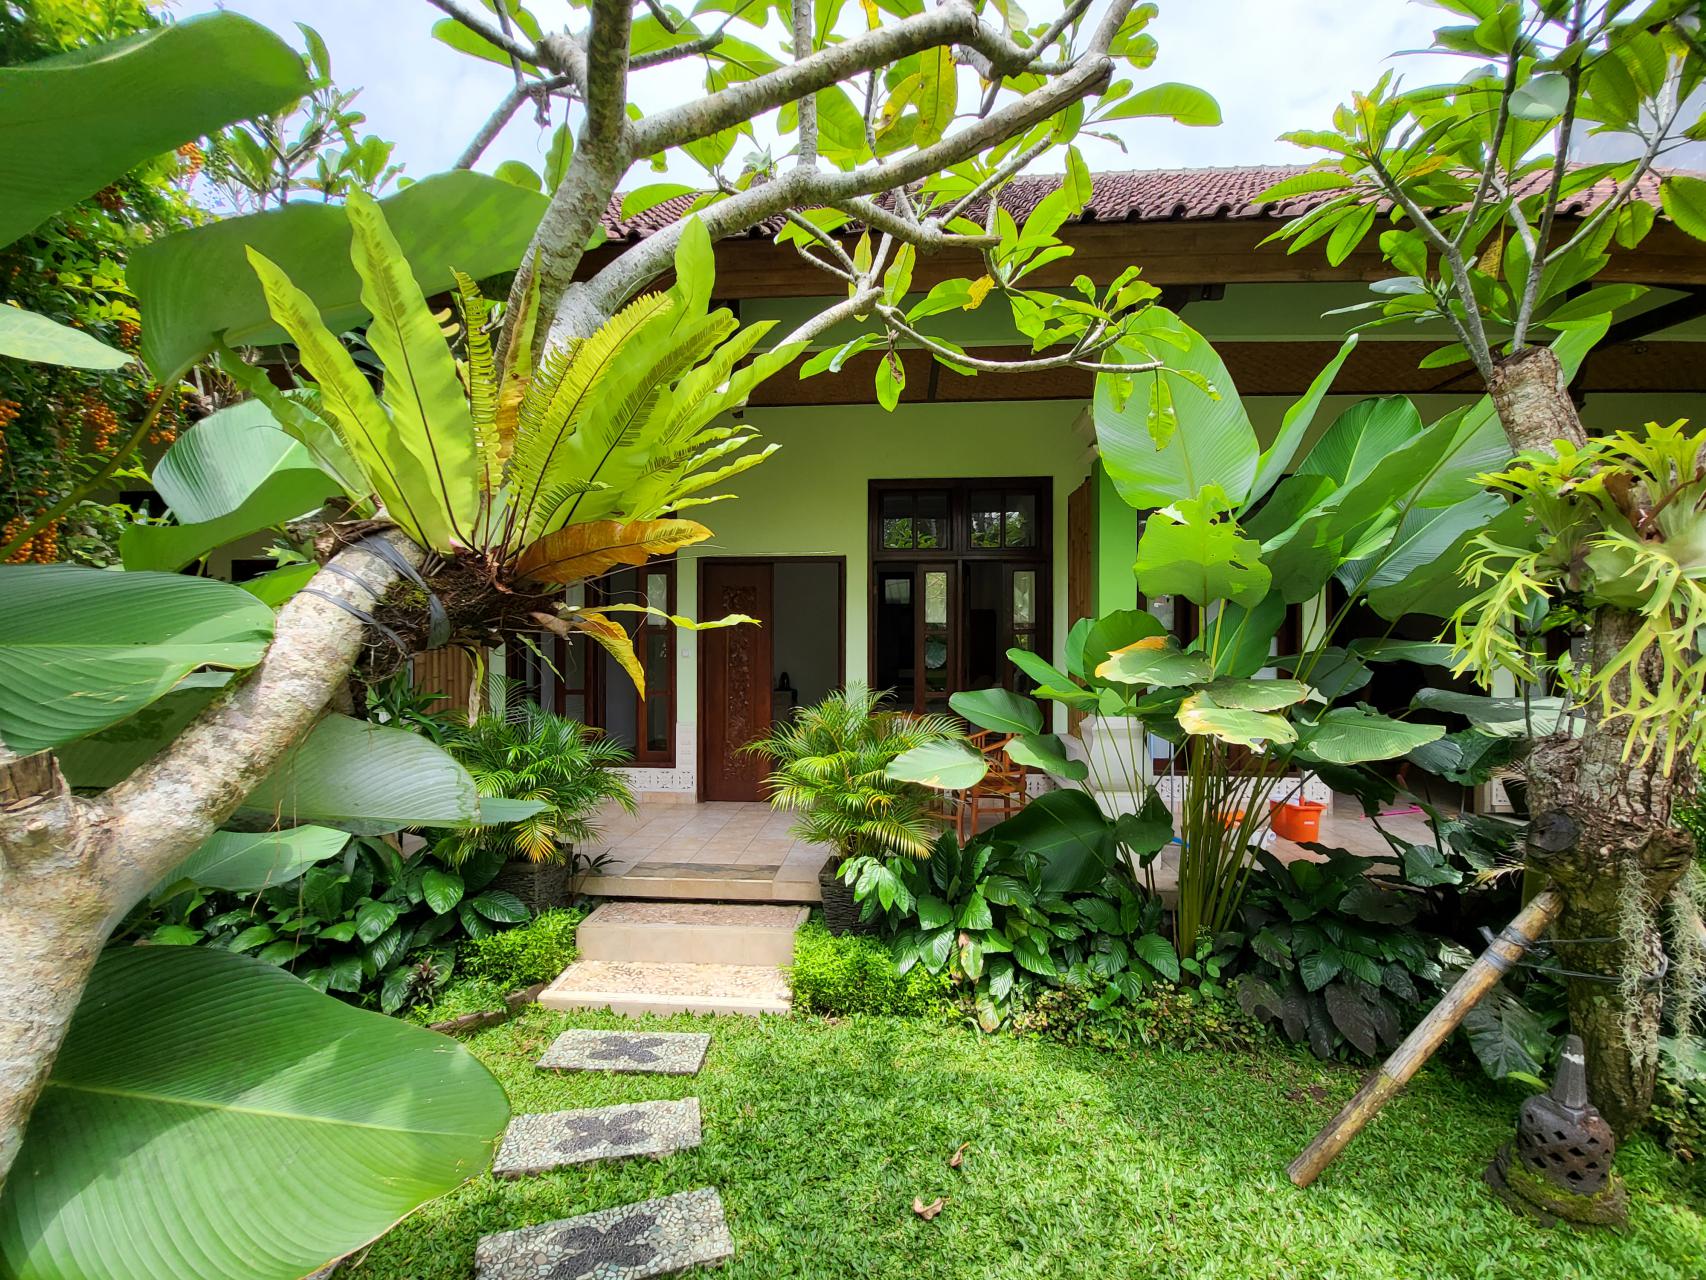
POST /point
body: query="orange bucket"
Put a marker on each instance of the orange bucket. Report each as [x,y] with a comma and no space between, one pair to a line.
[1299,821]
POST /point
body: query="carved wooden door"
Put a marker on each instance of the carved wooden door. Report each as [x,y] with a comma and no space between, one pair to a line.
[735,667]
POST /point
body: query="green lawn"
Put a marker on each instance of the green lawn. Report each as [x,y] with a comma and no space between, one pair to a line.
[1081,1165]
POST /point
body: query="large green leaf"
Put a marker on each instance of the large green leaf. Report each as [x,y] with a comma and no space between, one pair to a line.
[234,474]
[112,755]
[368,779]
[72,124]
[1422,536]
[1201,714]
[246,860]
[1347,735]
[211,1117]
[999,710]
[1047,752]
[422,389]
[1502,717]
[196,286]
[1295,425]
[945,766]
[1360,437]
[1119,629]
[81,649]
[1187,551]
[1068,832]
[1257,695]
[366,432]
[1164,667]
[28,335]
[1435,587]
[1213,443]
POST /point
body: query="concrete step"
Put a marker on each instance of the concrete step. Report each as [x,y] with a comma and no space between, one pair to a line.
[636,988]
[690,933]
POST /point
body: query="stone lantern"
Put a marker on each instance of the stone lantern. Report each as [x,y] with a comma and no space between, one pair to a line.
[1559,1166]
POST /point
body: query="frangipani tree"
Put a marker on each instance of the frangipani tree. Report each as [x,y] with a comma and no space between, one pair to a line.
[1469,184]
[562,432]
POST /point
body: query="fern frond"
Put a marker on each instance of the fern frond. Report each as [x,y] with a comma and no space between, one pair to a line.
[481,375]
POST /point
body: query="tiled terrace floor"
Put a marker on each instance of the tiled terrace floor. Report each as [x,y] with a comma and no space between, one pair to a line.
[723,852]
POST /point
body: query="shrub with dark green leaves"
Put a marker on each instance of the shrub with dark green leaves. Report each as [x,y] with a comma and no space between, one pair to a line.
[531,953]
[1163,1014]
[1332,960]
[857,974]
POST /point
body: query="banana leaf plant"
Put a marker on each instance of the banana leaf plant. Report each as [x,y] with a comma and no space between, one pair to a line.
[1241,533]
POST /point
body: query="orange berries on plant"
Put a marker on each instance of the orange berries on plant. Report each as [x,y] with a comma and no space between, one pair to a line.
[193,157]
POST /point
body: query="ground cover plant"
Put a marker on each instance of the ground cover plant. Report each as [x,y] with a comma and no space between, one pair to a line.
[1076,1162]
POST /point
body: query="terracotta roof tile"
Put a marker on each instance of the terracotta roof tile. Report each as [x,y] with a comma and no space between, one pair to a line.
[1136,195]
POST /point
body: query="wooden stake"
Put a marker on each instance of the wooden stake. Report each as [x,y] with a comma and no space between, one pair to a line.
[1392,1075]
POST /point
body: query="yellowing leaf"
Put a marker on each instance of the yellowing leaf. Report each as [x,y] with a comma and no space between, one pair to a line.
[873,15]
[606,633]
[978,291]
[1148,642]
[577,552]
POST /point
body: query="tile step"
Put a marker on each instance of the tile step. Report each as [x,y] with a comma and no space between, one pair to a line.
[762,887]
[661,932]
[637,988]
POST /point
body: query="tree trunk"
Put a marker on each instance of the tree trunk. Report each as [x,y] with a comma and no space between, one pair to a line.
[1601,828]
[71,868]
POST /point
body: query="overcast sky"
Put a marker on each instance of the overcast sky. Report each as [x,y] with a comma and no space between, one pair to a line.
[1273,65]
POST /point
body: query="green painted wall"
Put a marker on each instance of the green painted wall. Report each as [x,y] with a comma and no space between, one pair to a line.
[812,497]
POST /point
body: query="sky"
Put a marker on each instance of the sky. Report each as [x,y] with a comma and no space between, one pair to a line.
[1273,65]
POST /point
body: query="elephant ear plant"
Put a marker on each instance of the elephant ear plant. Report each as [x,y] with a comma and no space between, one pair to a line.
[1239,532]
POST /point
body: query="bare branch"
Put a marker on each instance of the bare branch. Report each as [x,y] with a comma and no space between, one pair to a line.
[808,103]
[927,236]
[506,109]
[1081,355]
[859,304]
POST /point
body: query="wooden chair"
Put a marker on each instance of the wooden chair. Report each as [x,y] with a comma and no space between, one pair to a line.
[1003,787]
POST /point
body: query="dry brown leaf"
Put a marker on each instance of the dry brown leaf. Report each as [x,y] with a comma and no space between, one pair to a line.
[582,551]
[959,1156]
[928,1211]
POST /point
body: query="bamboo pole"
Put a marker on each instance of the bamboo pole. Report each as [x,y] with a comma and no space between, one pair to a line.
[1392,1075]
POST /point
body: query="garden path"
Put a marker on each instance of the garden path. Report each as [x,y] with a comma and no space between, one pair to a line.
[628,1242]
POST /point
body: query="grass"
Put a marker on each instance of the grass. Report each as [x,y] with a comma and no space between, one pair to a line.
[1081,1164]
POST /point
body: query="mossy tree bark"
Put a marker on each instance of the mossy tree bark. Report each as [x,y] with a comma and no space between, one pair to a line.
[1602,825]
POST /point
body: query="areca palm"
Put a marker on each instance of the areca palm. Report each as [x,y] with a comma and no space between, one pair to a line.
[831,767]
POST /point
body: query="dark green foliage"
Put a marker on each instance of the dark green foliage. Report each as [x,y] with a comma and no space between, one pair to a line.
[1332,959]
[984,915]
[1691,817]
[371,926]
[856,974]
[1679,1097]
[533,952]
[1163,1014]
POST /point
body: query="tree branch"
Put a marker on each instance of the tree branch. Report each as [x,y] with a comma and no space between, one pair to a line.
[501,117]
[802,14]
[493,34]
[741,103]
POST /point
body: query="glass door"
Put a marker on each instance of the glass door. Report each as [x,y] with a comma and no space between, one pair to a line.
[935,605]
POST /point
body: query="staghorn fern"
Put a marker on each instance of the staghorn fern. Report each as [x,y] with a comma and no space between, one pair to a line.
[1621,522]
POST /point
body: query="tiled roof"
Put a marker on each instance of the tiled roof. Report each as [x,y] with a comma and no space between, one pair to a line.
[1136,195]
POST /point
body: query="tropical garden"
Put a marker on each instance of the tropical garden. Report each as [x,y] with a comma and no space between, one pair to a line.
[245,867]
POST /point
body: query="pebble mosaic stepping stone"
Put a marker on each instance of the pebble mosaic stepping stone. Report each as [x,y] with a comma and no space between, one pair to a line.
[663,1053]
[540,1143]
[632,1242]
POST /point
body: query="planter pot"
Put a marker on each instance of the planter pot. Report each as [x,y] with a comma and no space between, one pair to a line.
[840,911]
[541,885]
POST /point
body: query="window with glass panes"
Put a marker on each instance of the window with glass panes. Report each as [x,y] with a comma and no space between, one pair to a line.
[574,677]
[959,576]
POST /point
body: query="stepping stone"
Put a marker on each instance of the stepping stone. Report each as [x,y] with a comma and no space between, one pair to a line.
[655,1238]
[540,1143]
[660,1053]
[637,988]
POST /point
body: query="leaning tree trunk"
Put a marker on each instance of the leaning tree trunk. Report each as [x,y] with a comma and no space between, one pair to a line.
[71,868]
[1601,827]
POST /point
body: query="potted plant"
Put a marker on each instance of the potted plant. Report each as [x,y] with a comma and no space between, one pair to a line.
[830,766]
[535,755]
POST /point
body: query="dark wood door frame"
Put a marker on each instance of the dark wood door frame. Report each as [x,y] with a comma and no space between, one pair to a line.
[706,563]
